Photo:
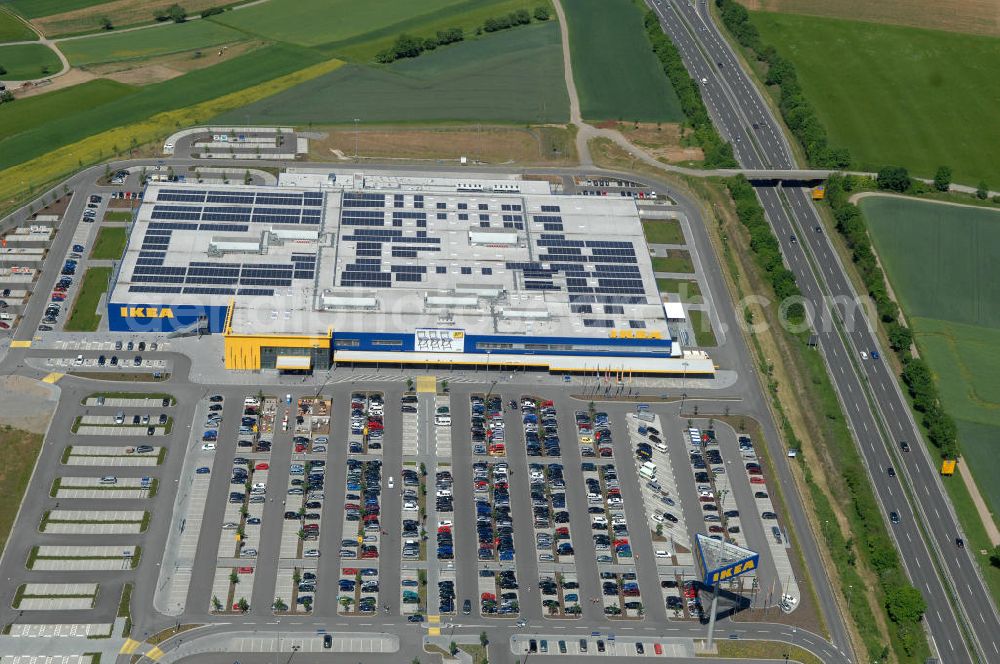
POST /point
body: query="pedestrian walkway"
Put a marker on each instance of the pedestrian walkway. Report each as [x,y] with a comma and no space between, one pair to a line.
[427,384]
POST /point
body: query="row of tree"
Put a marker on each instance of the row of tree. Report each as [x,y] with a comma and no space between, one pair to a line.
[764,244]
[718,153]
[904,605]
[941,430]
[796,110]
[408,46]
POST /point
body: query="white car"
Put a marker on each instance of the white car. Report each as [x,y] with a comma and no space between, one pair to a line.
[311,553]
[410,505]
[208,447]
[864,355]
[392,482]
[660,553]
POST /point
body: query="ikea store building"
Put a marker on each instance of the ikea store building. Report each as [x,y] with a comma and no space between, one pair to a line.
[345,268]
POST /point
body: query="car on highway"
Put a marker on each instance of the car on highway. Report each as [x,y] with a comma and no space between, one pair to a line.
[894,517]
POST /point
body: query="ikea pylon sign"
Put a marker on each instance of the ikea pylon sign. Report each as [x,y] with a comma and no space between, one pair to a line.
[721,561]
[731,571]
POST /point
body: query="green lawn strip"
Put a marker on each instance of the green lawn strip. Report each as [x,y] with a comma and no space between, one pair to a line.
[161,455]
[28,61]
[32,557]
[19,594]
[190,89]
[55,487]
[630,86]
[117,215]
[139,44]
[704,336]
[775,650]
[144,524]
[444,85]
[904,109]
[95,657]
[66,454]
[110,243]
[687,289]
[130,395]
[663,231]
[45,520]
[84,316]
[54,106]
[13,29]
[676,260]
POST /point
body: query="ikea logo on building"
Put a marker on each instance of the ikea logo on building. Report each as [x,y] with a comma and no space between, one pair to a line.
[739,568]
[146,312]
[635,334]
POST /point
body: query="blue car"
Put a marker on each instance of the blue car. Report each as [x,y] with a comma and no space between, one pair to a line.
[204,470]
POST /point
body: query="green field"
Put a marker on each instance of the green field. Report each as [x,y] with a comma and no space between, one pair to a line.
[161,40]
[704,336]
[941,261]
[26,61]
[39,110]
[524,84]
[13,29]
[197,86]
[314,22]
[36,8]
[616,73]
[895,95]
[110,243]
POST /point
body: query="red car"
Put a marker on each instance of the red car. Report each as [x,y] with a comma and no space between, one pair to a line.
[607,451]
[657,648]
[245,570]
[350,571]
[262,466]
[756,479]
[488,596]
[369,554]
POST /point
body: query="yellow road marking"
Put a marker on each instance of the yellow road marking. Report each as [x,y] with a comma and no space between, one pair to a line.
[155,653]
[427,384]
[433,619]
[433,631]
[129,647]
[52,378]
[20,344]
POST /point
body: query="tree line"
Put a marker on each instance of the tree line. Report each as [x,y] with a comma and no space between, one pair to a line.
[903,604]
[941,429]
[718,153]
[408,46]
[796,110]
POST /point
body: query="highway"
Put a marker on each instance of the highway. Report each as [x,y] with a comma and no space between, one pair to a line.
[877,410]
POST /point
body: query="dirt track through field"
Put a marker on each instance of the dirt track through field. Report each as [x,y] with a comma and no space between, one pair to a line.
[979,17]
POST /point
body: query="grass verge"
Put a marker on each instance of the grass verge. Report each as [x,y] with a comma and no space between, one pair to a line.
[84,317]
[663,231]
[676,260]
[110,243]
[687,290]
[18,451]
[739,649]
[125,608]
[117,215]
[704,336]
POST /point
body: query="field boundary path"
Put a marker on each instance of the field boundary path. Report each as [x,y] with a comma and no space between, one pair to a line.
[873,194]
[44,41]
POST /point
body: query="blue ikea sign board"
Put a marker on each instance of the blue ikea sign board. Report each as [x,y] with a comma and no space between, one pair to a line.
[732,568]
[164,317]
